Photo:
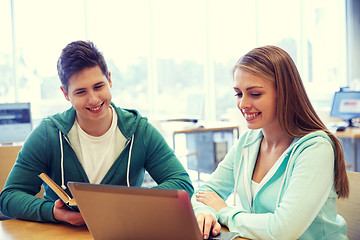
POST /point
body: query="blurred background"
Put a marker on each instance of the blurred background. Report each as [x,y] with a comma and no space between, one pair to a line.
[173,58]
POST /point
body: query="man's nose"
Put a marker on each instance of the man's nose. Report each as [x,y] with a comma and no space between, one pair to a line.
[92,97]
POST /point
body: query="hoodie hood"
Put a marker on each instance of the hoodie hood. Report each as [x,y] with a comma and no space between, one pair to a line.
[128,120]
[287,160]
[312,135]
[253,136]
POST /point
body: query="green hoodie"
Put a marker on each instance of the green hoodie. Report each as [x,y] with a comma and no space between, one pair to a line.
[49,150]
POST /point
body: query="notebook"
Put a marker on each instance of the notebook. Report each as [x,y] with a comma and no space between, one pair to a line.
[119,212]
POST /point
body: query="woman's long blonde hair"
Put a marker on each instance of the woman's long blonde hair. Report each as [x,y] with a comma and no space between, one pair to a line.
[296,115]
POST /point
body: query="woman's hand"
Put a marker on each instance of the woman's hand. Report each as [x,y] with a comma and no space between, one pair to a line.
[63,214]
[207,222]
[211,199]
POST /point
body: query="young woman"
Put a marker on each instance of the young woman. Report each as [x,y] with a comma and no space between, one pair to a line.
[286,172]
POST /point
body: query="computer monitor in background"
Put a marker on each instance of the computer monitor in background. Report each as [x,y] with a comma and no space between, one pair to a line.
[346,105]
[15,122]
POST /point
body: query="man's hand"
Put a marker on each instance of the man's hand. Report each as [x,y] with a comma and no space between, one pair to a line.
[63,214]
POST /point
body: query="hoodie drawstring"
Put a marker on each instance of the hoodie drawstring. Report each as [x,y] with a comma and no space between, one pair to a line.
[129,158]
[244,154]
[62,162]
[238,171]
[237,176]
[283,180]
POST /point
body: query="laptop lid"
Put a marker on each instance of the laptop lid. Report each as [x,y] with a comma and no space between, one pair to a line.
[119,212]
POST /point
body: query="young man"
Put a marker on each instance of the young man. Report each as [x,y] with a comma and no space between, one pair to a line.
[93,141]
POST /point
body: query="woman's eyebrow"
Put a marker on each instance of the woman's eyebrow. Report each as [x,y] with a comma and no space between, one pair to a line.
[249,88]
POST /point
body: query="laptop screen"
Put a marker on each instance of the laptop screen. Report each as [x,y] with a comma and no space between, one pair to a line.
[119,212]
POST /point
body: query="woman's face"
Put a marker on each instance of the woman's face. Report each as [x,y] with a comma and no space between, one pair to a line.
[256,99]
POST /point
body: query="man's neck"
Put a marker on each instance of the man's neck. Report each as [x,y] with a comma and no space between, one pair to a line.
[98,128]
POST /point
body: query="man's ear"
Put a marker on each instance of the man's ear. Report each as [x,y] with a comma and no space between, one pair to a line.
[65,93]
[109,79]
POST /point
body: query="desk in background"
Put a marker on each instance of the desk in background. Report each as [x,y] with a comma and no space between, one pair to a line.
[14,229]
[350,139]
[207,146]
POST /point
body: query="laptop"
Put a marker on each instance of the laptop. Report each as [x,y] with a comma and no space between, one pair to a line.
[119,212]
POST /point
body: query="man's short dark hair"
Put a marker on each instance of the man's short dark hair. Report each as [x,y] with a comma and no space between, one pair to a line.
[77,56]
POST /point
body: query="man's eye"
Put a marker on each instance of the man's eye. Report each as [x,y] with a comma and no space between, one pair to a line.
[79,92]
[99,86]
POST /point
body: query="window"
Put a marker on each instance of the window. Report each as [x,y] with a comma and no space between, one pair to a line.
[40,34]
[7,85]
[178,36]
[120,29]
[232,33]
[324,51]
[313,33]
[168,58]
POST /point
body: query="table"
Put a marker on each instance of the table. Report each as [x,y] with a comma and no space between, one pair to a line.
[350,140]
[14,229]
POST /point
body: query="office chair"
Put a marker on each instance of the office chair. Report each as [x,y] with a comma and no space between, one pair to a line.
[8,155]
[349,208]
